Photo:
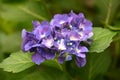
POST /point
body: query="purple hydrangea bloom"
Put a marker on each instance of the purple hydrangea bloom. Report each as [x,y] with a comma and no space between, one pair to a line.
[35,42]
[63,35]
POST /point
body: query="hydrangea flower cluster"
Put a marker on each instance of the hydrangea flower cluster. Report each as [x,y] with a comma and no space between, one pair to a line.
[62,37]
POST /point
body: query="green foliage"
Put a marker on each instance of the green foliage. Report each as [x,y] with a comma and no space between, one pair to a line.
[53,63]
[97,64]
[107,10]
[101,39]
[27,11]
[46,74]
[8,40]
[20,61]
[17,62]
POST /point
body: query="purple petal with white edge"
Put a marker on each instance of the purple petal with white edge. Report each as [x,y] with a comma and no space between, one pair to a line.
[68,58]
[74,36]
[88,25]
[80,61]
[48,42]
[36,24]
[60,19]
[37,58]
[28,40]
[72,14]
[60,44]
[88,34]
[76,19]
[24,39]
[81,15]
[24,33]
[83,49]
[82,55]
[43,30]
[30,45]
[81,52]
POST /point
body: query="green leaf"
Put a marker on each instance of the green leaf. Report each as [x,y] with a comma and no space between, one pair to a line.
[17,62]
[53,63]
[97,64]
[101,39]
[46,73]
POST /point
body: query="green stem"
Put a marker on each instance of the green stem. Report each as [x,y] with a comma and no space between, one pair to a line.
[113,28]
[108,18]
[59,64]
[31,13]
[108,13]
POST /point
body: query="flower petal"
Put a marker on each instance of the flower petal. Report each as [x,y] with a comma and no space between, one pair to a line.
[74,36]
[48,42]
[80,61]
[47,53]
[37,58]
[60,19]
[42,30]
[28,40]
[36,24]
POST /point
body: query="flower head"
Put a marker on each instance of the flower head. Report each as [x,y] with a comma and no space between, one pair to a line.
[63,35]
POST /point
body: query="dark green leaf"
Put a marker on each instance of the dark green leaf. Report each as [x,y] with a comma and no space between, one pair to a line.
[53,63]
[101,39]
[46,74]
[17,62]
[97,64]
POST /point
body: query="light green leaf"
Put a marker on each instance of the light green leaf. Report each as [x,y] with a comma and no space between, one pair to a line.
[17,62]
[97,64]
[101,39]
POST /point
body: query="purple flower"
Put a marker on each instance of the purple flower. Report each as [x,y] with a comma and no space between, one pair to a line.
[39,41]
[63,35]
[73,30]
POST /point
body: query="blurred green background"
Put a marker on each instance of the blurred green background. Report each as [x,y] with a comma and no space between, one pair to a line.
[18,14]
